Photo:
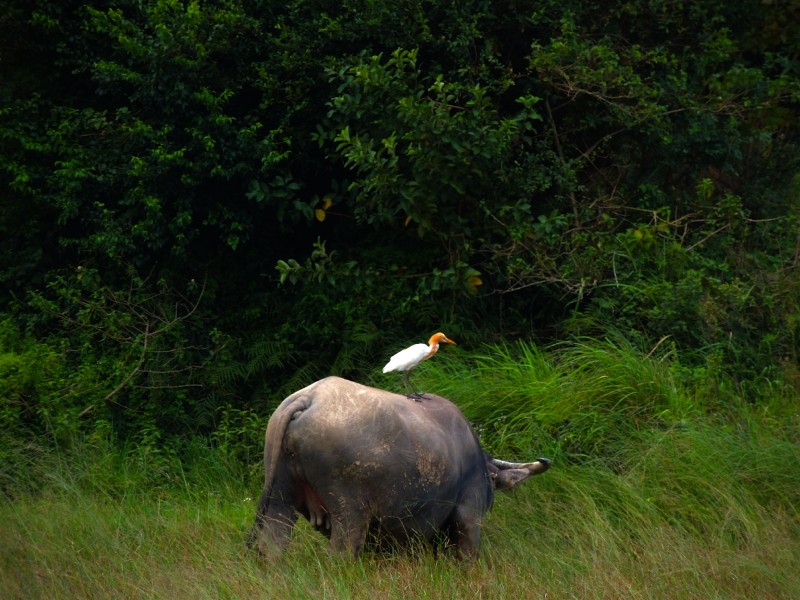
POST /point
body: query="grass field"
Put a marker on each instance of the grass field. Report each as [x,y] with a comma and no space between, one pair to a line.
[654,493]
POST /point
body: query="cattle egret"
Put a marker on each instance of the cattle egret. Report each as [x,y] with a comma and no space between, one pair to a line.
[407,359]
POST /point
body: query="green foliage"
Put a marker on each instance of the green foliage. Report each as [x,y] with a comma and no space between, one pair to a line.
[342,179]
[424,150]
[436,158]
[35,389]
[240,438]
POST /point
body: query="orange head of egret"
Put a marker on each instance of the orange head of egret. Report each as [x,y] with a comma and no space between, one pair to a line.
[438,338]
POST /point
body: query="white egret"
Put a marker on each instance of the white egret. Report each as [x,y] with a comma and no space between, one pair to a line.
[407,359]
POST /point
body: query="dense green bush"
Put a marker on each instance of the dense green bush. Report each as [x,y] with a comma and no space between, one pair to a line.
[204,206]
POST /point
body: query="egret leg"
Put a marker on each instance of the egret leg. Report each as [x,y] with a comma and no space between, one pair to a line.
[414,395]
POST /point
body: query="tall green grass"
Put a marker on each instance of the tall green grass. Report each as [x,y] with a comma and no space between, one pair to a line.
[584,398]
[651,495]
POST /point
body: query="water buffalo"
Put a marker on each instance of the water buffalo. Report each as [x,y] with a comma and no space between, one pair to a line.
[362,463]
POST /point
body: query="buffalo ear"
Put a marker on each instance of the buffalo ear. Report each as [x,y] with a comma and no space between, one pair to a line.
[508,478]
[509,475]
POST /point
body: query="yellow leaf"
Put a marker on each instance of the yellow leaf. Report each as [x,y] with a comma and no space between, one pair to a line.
[320,214]
[326,203]
[472,284]
[408,220]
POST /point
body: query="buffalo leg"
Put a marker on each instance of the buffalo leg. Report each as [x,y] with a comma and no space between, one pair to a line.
[348,532]
[275,517]
[277,531]
[467,532]
[273,527]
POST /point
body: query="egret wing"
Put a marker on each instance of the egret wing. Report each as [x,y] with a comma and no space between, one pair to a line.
[406,359]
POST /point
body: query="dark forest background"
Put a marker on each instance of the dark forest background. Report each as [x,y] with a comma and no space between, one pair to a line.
[206,205]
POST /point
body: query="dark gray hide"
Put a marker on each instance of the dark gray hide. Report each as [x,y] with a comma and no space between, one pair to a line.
[360,462]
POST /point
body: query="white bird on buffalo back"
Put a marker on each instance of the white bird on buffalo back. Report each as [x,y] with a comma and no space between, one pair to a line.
[407,359]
